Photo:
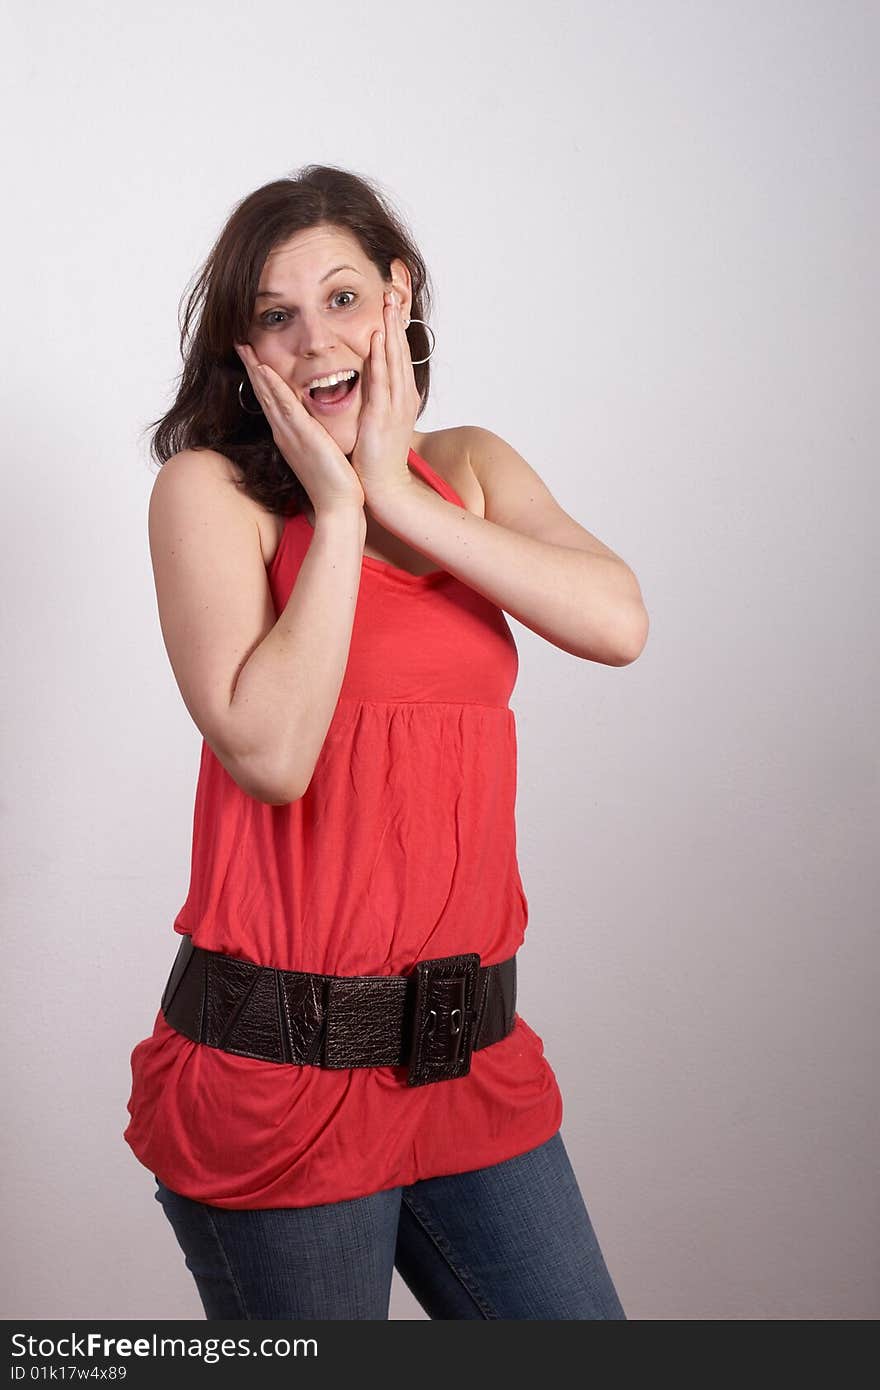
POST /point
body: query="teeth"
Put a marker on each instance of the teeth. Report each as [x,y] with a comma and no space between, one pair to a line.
[331,380]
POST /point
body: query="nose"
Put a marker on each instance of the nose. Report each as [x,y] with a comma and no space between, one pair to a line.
[315,334]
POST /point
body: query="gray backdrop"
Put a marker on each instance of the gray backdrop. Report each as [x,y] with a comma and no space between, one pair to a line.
[675,203]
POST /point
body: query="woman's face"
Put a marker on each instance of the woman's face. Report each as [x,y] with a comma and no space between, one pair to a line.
[311,318]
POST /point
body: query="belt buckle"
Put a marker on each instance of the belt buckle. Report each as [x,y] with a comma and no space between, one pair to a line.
[443,1017]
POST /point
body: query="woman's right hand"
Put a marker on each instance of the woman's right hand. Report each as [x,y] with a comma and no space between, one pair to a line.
[310,450]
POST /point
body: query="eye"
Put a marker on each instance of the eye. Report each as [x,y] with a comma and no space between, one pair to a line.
[271,322]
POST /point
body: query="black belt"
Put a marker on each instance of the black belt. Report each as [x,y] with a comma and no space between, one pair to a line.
[429,1021]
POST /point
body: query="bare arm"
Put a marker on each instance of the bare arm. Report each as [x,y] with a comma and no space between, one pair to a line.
[527,555]
[261,689]
[286,692]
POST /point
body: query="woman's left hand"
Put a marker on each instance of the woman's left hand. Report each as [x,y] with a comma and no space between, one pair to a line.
[389,408]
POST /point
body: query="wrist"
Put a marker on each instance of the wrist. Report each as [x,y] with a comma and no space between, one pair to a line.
[384,496]
[343,517]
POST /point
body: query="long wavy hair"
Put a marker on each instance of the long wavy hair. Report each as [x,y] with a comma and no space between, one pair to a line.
[218,310]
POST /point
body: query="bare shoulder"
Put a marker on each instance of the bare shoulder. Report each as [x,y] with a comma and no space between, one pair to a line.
[198,464]
[447,451]
[201,478]
[197,491]
[516,495]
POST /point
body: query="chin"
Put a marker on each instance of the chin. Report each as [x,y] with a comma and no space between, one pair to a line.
[345,432]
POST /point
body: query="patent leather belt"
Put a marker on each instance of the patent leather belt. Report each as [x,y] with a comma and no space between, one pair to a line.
[429,1021]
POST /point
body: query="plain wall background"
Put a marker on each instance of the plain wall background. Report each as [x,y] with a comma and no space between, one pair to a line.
[674,207]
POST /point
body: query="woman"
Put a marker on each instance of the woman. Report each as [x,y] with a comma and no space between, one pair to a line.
[338,1082]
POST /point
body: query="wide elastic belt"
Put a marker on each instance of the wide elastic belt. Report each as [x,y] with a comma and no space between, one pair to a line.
[429,1020]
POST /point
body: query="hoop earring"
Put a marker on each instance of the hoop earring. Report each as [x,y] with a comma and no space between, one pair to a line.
[258,411]
[433,339]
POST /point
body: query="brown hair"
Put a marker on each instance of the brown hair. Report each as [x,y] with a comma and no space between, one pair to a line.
[207,411]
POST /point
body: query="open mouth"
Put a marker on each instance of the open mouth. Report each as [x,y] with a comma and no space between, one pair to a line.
[329,397]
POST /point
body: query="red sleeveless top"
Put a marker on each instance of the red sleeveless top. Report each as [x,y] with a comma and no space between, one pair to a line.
[402,848]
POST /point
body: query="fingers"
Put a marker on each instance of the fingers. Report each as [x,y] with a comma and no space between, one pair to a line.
[391,315]
[378,367]
[397,349]
[252,367]
[386,361]
[273,394]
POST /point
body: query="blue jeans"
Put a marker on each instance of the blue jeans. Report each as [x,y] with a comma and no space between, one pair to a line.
[513,1240]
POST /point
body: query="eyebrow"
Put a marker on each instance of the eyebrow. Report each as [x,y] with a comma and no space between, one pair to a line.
[278,294]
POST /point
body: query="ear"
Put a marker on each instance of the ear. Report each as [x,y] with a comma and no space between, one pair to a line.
[401,281]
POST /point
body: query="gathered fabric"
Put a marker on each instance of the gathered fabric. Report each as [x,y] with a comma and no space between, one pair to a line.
[402,848]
